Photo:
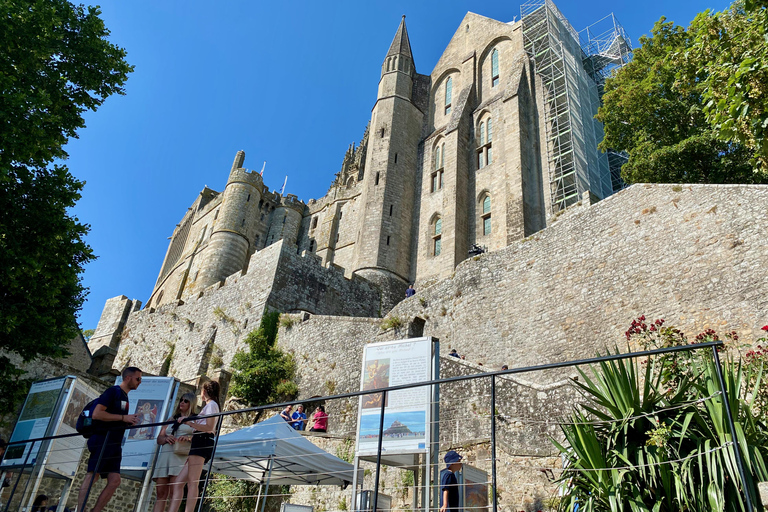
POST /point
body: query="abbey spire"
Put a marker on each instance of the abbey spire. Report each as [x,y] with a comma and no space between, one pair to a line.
[399,56]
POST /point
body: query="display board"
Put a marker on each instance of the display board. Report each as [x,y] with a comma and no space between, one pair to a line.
[152,401]
[473,483]
[406,412]
[39,410]
[64,454]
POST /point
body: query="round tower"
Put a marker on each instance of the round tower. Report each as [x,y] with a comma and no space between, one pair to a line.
[232,235]
[286,220]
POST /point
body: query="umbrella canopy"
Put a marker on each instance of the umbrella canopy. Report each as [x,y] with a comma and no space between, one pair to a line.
[247,453]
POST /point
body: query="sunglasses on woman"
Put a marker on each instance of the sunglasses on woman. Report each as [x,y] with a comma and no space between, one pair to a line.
[183,401]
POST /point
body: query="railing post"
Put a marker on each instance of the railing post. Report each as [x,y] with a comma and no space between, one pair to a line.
[378,452]
[493,441]
[732,427]
[16,484]
[210,463]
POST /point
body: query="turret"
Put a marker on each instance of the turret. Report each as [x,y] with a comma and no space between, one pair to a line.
[232,237]
[383,248]
[286,220]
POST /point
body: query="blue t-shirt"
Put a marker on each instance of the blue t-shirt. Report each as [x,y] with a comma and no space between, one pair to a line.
[298,425]
[448,482]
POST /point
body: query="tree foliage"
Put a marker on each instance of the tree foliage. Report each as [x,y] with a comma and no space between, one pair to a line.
[55,64]
[657,439]
[264,374]
[684,106]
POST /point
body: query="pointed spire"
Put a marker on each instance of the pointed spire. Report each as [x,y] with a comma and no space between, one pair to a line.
[401,45]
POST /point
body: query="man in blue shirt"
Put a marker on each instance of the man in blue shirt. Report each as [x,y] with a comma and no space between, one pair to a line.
[299,418]
[449,485]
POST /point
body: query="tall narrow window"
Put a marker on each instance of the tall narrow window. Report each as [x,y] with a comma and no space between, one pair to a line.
[486,217]
[489,131]
[437,237]
[437,157]
[314,223]
[390,209]
[387,244]
[311,246]
[448,94]
[482,134]
[377,179]
[248,200]
[216,215]
[494,67]
[442,156]
[485,137]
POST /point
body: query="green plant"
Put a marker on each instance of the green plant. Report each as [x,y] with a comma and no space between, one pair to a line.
[392,322]
[423,301]
[330,386]
[342,503]
[222,315]
[287,321]
[264,374]
[346,451]
[656,439]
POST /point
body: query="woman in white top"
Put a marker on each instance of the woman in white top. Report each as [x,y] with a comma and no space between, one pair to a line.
[172,458]
[201,451]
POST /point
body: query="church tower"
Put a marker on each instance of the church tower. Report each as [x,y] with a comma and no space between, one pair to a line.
[385,233]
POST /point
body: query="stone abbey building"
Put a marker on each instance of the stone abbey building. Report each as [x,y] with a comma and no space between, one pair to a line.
[497,147]
[468,154]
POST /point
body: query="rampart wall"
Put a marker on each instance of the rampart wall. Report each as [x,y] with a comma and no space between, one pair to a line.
[193,338]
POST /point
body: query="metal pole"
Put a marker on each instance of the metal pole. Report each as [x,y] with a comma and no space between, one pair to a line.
[210,464]
[732,427]
[266,488]
[95,471]
[493,442]
[15,485]
[378,453]
[355,469]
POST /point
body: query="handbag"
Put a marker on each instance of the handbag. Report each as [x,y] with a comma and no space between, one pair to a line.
[181,448]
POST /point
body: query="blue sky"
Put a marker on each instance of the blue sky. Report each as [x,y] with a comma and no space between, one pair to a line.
[290,83]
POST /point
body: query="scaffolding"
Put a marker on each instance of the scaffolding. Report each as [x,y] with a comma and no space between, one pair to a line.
[573,74]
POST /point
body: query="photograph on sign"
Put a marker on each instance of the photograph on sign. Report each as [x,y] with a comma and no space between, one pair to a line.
[151,402]
[375,376]
[64,454]
[147,411]
[475,488]
[406,411]
[34,420]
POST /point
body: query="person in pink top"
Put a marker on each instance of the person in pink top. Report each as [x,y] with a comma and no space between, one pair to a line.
[321,420]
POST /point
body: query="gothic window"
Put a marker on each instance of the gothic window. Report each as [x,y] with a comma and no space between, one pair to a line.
[438,165]
[486,216]
[437,235]
[448,94]
[494,67]
[485,139]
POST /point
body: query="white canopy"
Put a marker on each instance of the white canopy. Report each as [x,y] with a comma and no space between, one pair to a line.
[248,453]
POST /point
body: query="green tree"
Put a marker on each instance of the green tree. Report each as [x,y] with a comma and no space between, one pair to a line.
[652,109]
[55,64]
[263,375]
[734,44]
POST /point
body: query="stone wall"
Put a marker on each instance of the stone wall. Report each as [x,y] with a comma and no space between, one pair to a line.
[693,255]
[188,339]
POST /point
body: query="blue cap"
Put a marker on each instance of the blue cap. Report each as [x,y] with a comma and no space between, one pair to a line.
[452,457]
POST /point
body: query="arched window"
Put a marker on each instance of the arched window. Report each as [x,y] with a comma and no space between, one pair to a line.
[437,235]
[486,216]
[494,67]
[485,138]
[448,94]
[436,180]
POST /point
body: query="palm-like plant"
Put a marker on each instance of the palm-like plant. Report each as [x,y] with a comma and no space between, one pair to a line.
[645,442]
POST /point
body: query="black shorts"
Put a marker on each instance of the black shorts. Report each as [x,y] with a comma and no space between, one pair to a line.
[202,445]
[110,457]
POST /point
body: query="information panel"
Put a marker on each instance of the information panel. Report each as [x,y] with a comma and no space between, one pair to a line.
[152,402]
[36,415]
[64,454]
[407,411]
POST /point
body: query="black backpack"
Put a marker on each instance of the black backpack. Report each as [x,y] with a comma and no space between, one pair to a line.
[86,426]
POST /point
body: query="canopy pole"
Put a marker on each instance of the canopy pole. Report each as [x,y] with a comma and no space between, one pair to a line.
[356,468]
[258,498]
[266,489]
